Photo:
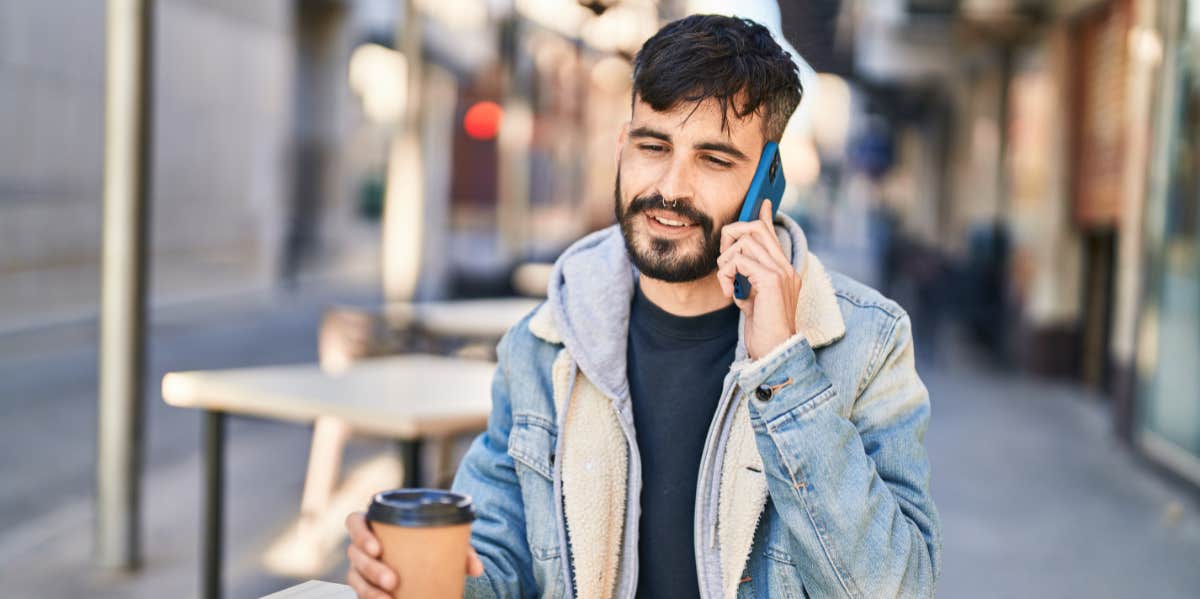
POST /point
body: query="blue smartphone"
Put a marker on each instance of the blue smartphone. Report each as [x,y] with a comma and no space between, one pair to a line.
[767,184]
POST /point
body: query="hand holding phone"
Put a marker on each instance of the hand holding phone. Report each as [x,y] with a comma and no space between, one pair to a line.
[768,184]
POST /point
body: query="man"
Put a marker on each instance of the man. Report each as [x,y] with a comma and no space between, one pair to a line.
[652,436]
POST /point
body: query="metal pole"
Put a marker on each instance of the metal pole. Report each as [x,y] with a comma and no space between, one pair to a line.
[214,489]
[123,284]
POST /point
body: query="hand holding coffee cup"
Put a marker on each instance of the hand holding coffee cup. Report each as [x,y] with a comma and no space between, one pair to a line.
[412,543]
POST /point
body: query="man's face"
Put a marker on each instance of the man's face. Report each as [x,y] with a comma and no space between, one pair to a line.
[680,179]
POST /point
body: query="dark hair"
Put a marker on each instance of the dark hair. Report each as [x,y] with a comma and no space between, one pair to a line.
[726,58]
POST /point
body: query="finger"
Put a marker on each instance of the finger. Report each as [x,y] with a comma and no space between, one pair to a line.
[726,286]
[752,246]
[759,274]
[474,565]
[362,588]
[732,232]
[374,572]
[764,213]
[754,273]
[745,245]
[727,236]
[736,230]
[725,276]
[765,230]
[361,535]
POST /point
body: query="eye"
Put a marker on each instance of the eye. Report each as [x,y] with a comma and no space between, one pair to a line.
[652,148]
[718,162]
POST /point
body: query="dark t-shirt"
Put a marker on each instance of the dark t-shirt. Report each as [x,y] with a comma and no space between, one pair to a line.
[676,368]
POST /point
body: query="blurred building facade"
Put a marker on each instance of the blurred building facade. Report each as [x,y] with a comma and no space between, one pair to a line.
[247,145]
[1166,339]
[1059,211]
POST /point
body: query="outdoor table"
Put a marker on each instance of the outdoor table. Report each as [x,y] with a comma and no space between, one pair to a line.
[408,397]
[475,318]
[314,589]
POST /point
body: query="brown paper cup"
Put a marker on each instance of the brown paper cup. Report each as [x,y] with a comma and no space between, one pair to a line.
[424,535]
[431,562]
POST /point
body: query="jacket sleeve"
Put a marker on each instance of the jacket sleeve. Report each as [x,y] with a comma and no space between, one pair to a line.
[487,474]
[854,492]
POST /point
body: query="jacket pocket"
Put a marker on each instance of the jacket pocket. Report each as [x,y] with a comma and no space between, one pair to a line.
[771,573]
[531,443]
[783,575]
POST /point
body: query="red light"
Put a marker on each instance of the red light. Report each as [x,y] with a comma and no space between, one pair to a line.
[482,120]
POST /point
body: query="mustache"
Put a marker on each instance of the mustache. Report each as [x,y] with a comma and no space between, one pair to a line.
[683,208]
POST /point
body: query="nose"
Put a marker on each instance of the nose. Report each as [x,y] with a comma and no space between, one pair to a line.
[675,184]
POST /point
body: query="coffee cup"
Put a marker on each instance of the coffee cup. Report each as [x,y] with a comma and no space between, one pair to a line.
[424,535]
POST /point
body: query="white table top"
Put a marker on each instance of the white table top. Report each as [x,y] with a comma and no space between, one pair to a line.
[489,318]
[314,589]
[404,397]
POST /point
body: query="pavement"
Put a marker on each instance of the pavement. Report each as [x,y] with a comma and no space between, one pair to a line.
[1037,497]
[48,440]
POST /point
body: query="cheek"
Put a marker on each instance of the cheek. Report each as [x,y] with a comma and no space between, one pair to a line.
[642,167]
[722,207]
[635,182]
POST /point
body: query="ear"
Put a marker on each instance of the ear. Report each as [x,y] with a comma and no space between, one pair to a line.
[622,137]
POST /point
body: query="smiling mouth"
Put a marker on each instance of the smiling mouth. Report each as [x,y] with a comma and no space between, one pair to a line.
[668,221]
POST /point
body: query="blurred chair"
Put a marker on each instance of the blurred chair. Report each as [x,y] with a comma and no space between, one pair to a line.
[348,334]
[465,328]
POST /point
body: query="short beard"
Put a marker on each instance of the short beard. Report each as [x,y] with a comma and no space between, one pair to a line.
[667,259]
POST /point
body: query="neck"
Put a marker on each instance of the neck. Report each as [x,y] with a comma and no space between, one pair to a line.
[685,299]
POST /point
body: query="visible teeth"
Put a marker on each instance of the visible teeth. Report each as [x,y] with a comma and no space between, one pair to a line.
[669,222]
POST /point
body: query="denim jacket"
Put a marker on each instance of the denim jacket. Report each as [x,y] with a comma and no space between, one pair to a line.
[814,481]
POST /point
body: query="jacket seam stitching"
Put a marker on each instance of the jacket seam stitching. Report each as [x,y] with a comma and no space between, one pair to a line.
[876,361]
[801,493]
[867,304]
[807,406]
[535,421]
[779,556]
[827,542]
[527,459]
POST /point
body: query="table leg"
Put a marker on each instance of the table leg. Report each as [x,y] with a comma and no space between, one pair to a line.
[214,483]
[411,454]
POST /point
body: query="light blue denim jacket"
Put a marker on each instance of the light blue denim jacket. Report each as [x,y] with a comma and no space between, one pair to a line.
[815,486]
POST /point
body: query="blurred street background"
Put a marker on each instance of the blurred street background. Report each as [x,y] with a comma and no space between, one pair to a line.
[1022,176]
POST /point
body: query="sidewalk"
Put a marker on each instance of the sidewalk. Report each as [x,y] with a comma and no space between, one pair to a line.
[69,294]
[1039,499]
[47,450]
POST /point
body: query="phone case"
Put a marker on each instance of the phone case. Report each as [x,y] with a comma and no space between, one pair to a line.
[768,184]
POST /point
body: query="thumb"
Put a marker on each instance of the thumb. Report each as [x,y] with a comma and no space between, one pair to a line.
[474,566]
[764,213]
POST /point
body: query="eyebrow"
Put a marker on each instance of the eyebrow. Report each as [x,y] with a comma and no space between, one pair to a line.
[711,146]
[648,132]
[721,147]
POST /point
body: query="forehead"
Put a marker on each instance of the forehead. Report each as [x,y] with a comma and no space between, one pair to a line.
[702,121]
